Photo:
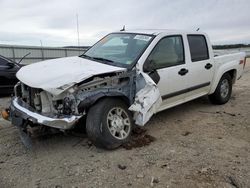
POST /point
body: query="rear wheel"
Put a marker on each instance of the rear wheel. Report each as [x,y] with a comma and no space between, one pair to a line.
[109,123]
[223,91]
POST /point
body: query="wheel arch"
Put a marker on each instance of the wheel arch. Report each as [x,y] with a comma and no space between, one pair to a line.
[87,103]
[124,98]
[231,72]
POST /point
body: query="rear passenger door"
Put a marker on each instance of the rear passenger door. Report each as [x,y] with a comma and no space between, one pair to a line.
[168,59]
[200,66]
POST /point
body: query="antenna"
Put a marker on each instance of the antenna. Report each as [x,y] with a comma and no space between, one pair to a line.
[77,27]
[198,29]
[24,57]
[123,29]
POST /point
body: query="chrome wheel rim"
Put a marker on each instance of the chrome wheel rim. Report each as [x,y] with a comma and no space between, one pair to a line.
[118,123]
[224,88]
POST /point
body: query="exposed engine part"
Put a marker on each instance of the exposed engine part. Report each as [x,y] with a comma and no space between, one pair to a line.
[25,93]
[37,102]
[67,103]
[117,85]
[18,89]
[46,105]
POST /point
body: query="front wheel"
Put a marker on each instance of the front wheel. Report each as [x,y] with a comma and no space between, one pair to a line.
[223,91]
[109,123]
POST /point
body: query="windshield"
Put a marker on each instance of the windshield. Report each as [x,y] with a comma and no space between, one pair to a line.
[119,48]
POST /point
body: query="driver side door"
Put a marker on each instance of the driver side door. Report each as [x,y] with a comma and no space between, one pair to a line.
[168,60]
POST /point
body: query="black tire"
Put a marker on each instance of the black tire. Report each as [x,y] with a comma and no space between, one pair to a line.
[97,124]
[220,97]
[81,125]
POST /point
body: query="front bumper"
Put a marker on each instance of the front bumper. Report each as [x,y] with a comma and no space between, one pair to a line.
[21,111]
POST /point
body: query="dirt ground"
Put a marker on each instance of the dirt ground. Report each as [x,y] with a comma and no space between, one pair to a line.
[197,145]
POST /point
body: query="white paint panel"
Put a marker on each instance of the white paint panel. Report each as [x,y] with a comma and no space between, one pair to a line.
[51,75]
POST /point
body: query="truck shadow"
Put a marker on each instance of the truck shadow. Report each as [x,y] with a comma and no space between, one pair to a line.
[78,137]
[194,105]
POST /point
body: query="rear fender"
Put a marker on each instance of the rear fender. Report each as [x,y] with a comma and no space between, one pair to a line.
[224,68]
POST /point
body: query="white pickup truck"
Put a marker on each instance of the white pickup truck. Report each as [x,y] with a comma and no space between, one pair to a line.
[121,81]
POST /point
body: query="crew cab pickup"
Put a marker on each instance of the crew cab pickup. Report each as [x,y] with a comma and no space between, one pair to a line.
[120,82]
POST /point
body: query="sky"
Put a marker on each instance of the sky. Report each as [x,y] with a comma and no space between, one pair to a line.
[53,22]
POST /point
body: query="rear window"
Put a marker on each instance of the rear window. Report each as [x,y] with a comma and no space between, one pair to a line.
[198,47]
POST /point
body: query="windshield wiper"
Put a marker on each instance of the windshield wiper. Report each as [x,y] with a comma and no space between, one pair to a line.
[86,56]
[96,58]
[102,59]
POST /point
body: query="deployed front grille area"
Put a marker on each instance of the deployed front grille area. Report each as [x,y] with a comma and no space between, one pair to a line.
[29,95]
[41,101]
[35,106]
[35,98]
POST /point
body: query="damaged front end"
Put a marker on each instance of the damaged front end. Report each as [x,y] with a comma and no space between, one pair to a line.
[34,109]
[62,111]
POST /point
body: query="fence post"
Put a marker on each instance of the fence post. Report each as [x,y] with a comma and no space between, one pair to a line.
[42,53]
[66,53]
[13,53]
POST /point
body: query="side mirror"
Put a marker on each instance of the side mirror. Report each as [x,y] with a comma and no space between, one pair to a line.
[149,66]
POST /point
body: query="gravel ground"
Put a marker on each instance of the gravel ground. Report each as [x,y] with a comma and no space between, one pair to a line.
[197,145]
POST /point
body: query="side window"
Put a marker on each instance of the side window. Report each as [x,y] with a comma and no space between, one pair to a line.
[198,47]
[168,52]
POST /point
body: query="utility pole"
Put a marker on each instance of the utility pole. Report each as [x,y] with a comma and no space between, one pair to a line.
[41,42]
[42,49]
[77,27]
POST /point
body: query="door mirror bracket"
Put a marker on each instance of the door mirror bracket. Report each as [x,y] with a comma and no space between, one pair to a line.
[149,66]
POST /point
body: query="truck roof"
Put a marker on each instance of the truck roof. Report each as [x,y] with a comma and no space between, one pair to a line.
[160,31]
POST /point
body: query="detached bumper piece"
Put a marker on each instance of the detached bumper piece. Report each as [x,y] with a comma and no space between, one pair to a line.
[21,111]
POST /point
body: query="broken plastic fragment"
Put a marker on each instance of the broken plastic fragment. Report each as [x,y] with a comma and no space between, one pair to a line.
[147,100]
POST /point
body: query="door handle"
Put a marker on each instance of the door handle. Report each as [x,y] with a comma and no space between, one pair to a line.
[208,66]
[182,72]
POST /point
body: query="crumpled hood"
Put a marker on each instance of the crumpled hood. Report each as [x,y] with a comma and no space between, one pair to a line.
[57,75]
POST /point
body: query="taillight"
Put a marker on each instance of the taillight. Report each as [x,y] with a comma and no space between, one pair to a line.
[243,62]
